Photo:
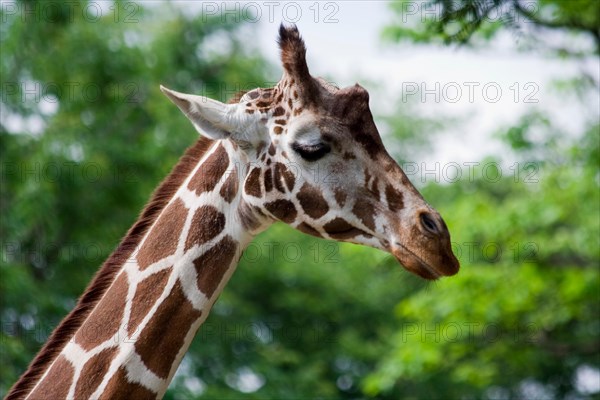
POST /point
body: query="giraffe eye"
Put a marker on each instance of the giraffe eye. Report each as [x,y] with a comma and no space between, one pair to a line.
[311,152]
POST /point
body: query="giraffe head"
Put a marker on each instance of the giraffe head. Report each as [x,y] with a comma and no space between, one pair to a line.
[313,158]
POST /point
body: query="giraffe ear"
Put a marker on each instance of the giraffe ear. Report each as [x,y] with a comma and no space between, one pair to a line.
[211,118]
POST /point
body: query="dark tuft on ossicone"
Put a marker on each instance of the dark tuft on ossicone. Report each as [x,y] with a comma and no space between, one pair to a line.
[293,58]
[290,39]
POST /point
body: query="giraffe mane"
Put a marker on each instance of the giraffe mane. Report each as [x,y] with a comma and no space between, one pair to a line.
[237,97]
[105,276]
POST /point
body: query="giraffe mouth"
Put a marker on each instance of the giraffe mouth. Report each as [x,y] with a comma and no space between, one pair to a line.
[415,264]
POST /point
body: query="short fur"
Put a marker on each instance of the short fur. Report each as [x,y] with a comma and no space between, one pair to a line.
[293,58]
[105,276]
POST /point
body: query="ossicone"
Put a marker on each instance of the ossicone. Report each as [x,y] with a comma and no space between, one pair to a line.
[293,59]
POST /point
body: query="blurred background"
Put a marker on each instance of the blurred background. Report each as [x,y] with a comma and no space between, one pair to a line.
[490,106]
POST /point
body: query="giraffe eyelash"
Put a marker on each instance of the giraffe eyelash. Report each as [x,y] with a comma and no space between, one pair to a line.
[311,152]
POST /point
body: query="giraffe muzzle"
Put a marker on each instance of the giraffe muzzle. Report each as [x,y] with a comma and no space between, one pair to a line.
[427,251]
[415,264]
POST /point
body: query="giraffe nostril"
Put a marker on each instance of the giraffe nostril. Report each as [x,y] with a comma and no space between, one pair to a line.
[428,223]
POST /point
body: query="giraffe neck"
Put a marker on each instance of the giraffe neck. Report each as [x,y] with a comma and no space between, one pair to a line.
[132,342]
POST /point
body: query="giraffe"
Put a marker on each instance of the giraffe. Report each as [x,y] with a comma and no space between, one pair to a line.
[253,165]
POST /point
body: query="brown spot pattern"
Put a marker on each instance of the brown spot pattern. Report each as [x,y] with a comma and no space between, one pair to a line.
[375,188]
[57,383]
[364,210]
[268,180]
[312,201]
[210,172]
[212,265]
[340,197]
[162,239]
[283,210]
[306,228]
[394,198]
[207,223]
[368,141]
[271,150]
[278,130]
[278,111]
[252,185]
[281,171]
[157,349]
[367,177]
[230,186]
[105,320]
[93,372]
[119,387]
[146,294]
[278,181]
[339,228]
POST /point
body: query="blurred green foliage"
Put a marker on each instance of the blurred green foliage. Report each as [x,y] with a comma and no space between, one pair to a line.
[302,317]
[479,21]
